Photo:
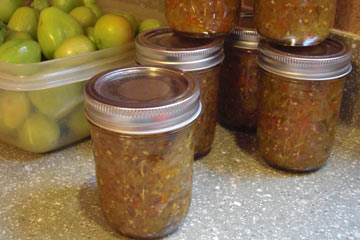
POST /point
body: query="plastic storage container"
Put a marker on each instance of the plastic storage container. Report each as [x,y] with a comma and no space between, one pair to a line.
[41,103]
[301,96]
[295,23]
[239,85]
[202,18]
[142,132]
[201,58]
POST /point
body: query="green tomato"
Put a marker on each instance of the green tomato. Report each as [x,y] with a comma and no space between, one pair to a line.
[132,19]
[96,9]
[87,2]
[20,51]
[90,33]
[84,15]
[74,46]
[78,123]
[39,133]
[24,19]
[112,30]
[18,35]
[5,131]
[14,108]
[8,7]
[3,32]
[66,5]
[40,4]
[149,24]
[55,26]
[57,102]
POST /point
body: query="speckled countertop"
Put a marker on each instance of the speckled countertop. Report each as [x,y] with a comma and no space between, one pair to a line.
[235,195]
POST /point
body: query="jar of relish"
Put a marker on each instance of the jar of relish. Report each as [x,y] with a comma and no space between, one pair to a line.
[301,93]
[199,57]
[239,85]
[295,22]
[202,18]
[142,136]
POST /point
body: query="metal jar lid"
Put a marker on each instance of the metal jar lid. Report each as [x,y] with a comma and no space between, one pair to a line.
[244,35]
[329,60]
[142,100]
[163,47]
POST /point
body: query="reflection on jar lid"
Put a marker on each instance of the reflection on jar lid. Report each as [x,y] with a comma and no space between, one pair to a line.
[170,41]
[329,60]
[142,100]
[162,46]
[244,35]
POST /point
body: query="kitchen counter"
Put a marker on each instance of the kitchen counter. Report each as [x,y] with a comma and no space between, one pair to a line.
[235,194]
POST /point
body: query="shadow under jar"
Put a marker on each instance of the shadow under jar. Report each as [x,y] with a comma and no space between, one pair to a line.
[301,92]
[239,83]
[201,58]
[295,22]
[202,18]
[142,135]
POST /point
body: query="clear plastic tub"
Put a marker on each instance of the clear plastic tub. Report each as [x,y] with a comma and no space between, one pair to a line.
[41,103]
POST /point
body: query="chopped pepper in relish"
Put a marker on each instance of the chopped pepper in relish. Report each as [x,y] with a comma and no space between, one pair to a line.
[295,22]
[202,18]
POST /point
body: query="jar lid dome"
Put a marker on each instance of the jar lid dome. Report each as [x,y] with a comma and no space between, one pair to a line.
[142,100]
[162,46]
[329,60]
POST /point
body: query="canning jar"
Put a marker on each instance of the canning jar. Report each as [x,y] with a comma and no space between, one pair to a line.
[202,18]
[239,85]
[142,135]
[301,92]
[296,22]
[201,58]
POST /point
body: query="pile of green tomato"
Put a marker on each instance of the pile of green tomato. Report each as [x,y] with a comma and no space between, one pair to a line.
[60,28]
[43,120]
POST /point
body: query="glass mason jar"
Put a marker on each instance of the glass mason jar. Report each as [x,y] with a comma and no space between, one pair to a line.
[201,58]
[295,23]
[202,18]
[301,92]
[239,85]
[142,133]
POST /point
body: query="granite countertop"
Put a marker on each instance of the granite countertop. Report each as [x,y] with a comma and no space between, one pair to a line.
[235,194]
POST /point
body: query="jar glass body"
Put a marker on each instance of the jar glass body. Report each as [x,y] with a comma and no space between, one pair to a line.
[295,23]
[202,18]
[297,121]
[239,88]
[206,123]
[144,181]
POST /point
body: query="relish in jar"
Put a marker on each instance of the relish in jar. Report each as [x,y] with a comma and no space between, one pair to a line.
[142,133]
[239,85]
[295,22]
[206,123]
[201,58]
[202,18]
[301,92]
